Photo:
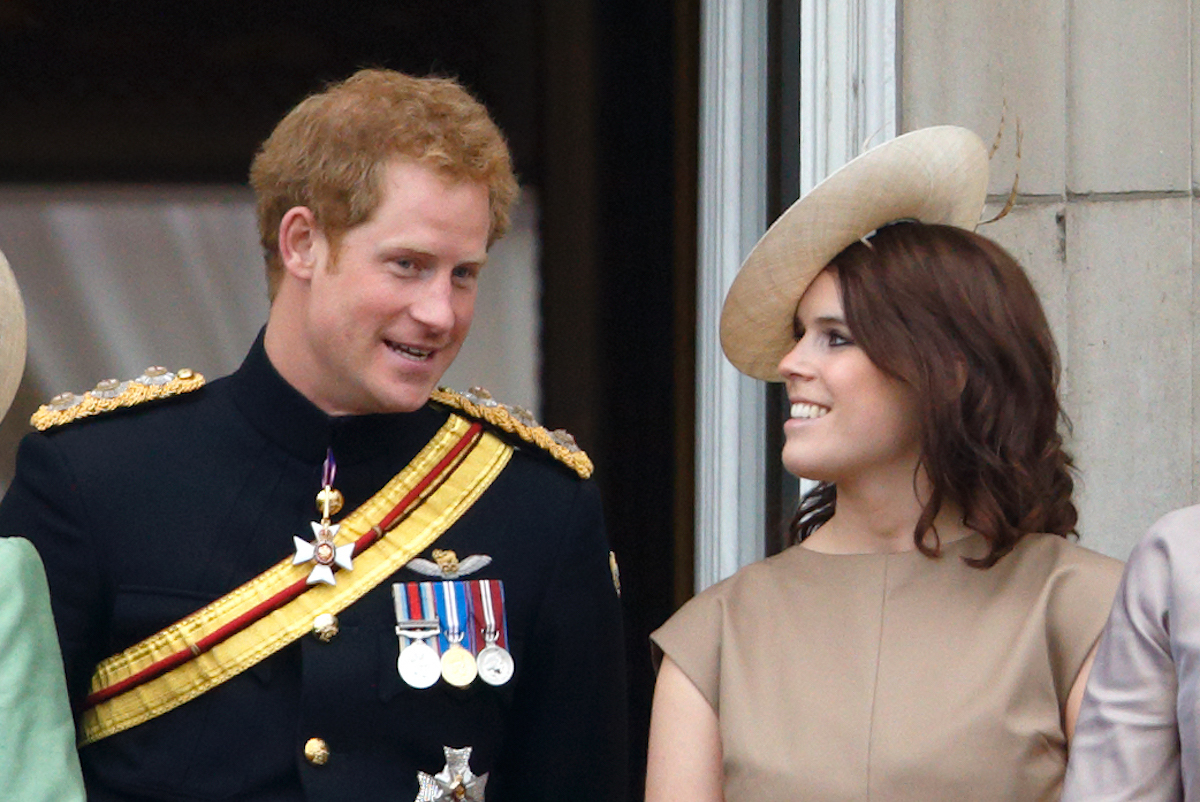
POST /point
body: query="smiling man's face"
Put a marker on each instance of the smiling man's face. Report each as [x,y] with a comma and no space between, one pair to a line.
[387,313]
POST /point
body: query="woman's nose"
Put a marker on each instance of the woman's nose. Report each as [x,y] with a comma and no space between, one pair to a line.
[796,362]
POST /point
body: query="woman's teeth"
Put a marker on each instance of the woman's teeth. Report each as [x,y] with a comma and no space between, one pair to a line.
[808,411]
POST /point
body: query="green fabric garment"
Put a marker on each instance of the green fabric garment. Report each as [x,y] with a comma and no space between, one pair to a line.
[38,761]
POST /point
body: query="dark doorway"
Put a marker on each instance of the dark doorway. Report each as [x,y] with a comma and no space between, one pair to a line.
[619,278]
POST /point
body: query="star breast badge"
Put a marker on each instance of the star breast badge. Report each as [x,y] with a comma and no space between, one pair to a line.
[455,782]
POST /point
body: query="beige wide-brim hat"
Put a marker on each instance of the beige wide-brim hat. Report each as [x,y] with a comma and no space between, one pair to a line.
[934,175]
[12,336]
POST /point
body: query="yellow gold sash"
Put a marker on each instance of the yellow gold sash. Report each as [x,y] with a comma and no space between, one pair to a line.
[444,504]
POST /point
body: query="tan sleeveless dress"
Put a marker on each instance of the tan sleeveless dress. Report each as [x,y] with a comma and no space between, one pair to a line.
[895,677]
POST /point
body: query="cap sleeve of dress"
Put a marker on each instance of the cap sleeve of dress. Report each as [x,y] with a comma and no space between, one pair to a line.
[692,639]
[1080,597]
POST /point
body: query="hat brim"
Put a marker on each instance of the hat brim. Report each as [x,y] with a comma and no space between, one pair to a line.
[933,175]
[12,336]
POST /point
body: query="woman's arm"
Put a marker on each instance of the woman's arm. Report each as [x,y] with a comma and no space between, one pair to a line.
[1075,697]
[1126,746]
[38,761]
[684,761]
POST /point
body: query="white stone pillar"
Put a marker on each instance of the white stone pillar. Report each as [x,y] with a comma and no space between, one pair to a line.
[732,200]
[847,82]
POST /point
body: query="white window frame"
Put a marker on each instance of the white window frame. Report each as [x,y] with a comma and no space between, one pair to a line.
[848,95]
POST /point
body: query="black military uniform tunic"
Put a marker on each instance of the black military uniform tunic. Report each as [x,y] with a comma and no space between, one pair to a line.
[144,515]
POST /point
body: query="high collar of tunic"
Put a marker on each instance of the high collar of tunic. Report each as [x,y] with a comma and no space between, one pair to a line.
[287,418]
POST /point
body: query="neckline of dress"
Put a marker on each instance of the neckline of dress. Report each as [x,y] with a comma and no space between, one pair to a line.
[953,546]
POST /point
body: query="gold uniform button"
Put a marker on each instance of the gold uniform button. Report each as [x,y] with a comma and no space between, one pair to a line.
[316,751]
[325,627]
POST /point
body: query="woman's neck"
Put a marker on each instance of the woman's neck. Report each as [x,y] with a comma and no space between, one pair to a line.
[879,518]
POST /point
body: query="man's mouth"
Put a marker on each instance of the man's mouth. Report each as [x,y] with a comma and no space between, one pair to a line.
[808,411]
[411,351]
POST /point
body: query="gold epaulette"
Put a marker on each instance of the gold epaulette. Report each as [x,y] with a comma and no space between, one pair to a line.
[478,403]
[110,394]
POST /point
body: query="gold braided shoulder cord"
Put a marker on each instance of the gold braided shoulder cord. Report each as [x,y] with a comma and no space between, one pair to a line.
[478,403]
[110,394]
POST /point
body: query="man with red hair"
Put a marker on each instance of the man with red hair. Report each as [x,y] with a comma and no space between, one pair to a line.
[321,577]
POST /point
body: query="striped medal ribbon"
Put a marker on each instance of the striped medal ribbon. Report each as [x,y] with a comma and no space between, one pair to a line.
[418,663]
[495,661]
[458,663]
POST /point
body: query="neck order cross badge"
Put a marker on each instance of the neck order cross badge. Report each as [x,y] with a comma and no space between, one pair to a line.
[322,551]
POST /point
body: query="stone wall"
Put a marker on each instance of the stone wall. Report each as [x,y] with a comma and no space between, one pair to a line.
[1105,220]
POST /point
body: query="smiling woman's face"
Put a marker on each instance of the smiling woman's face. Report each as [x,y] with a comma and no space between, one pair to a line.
[849,419]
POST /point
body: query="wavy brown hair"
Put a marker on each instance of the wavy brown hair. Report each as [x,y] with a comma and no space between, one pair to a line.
[952,315]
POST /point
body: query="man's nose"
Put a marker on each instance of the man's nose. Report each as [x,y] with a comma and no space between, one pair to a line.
[433,306]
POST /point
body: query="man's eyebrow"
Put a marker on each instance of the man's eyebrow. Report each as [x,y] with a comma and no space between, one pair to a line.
[401,248]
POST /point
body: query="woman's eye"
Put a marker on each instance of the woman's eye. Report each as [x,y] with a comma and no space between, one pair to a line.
[836,338]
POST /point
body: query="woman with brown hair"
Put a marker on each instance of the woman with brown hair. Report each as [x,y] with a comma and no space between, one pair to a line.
[928,637]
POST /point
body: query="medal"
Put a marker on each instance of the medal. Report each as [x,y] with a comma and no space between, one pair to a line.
[418,663]
[495,662]
[454,783]
[495,665]
[323,552]
[458,664]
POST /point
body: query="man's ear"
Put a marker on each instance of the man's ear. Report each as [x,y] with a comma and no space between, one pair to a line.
[302,243]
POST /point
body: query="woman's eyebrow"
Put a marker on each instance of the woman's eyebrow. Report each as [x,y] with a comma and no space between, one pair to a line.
[831,319]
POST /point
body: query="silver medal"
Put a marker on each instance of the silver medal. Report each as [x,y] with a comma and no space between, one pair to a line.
[419,665]
[495,664]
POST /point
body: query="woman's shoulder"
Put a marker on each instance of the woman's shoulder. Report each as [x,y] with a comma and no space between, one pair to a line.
[1177,531]
[786,581]
[736,607]
[759,580]
[1168,556]
[1055,555]
[1072,584]
[20,555]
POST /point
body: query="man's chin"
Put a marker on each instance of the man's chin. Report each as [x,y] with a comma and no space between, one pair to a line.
[407,398]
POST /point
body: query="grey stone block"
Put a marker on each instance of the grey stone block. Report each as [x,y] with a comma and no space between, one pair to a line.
[1130,283]
[1129,90]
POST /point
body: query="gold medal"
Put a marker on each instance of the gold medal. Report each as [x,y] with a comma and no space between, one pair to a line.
[458,666]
